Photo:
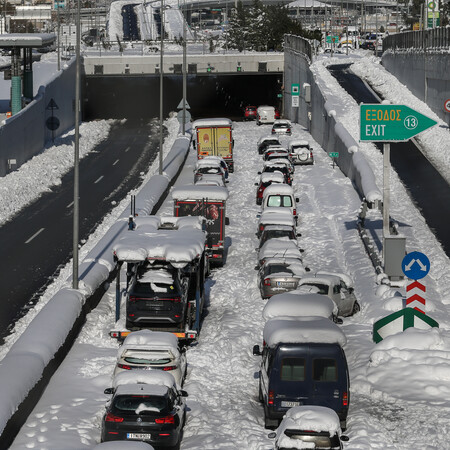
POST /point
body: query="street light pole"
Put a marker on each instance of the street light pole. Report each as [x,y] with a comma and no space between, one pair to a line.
[76,207]
[184,74]
[161,77]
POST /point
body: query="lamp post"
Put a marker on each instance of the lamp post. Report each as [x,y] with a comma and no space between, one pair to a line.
[161,76]
[76,208]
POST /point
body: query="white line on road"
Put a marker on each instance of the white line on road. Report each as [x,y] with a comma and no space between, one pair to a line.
[69,205]
[34,235]
[115,162]
[128,148]
[98,179]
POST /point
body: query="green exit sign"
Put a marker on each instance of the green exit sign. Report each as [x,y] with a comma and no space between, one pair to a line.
[391,123]
[333,154]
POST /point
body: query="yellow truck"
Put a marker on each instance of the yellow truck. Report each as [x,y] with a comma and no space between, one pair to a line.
[214,137]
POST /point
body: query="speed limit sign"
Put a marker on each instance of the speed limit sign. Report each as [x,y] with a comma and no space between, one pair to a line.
[447,105]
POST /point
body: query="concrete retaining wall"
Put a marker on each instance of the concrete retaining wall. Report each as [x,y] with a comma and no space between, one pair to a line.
[26,134]
[425,73]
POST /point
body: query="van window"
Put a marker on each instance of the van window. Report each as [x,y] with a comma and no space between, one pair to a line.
[293,369]
[324,369]
[280,200]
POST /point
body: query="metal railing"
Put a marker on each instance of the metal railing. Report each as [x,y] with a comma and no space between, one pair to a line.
[434,39]
[299,44]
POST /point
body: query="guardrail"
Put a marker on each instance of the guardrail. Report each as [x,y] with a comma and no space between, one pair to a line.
[299,44]
[435,39]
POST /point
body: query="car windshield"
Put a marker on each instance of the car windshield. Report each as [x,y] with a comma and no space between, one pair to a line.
[317,439]
[270,234]
[280,200]
[300,147]
[206,170]
[154,288]
[278,268]
[153,358]
[141,404]
[323,288]
[281,125]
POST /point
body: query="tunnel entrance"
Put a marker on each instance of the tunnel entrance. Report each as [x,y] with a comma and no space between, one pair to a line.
[209,95]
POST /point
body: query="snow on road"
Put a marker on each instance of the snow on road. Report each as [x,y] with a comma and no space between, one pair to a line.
[222,383]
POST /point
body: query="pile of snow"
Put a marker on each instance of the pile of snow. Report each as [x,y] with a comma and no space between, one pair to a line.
[153,377]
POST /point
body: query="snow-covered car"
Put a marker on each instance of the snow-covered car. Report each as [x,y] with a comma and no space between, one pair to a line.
[277,231]
[334,286]
[209,166]
[152,350]
[282,159]
[265,114]
[274,216]
[279,275]
[278,166]
[300,151]
[292,304]
[280,196]
[250,113]
[279,248]
[273,149]
[277,155]
[266,179]
[146,406]
[282,126]
[309,427]
[265,141]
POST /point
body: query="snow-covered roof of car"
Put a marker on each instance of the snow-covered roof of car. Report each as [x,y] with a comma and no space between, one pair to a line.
[279,248]
[281,122]
[144,377]
[307,418]
[276,163]
[328,280]
[295,330]
[267,138]
[298,142]
[347,279]
[275,227]
[299,305]
[273,148]
[177,246]
[156,276]
[275,177]
[220,121]
[207,162]
[200,192]
[278,189]
[276,215]
[211,179]
[148,340]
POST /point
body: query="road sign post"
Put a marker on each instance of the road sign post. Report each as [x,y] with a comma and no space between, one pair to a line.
[333,155]
[416,265]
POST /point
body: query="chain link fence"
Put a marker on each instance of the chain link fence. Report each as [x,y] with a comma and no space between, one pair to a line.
[434,39]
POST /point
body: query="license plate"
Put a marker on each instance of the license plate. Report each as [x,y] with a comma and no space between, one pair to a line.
[285,284]
[285,404]
[140,436]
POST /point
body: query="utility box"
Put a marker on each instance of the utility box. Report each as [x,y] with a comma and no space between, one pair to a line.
[394,252]
[307,92]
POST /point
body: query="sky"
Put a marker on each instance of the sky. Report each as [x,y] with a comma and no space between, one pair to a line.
[399,387]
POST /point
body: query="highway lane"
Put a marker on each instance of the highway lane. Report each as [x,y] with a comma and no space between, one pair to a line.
[38,241]
[427,188]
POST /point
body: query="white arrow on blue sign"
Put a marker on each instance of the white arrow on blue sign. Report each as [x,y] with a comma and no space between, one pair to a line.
[415,265]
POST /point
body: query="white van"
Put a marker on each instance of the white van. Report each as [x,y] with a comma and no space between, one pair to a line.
[282,196]
[265,114]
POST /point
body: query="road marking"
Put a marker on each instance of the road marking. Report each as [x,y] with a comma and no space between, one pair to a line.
[34,235]
[128,148]
[98,179]
[69,205]
[115,162]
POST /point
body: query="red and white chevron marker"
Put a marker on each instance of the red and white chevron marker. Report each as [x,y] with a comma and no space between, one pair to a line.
[415,297]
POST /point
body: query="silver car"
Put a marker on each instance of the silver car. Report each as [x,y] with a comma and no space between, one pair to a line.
[278,275]
[300,152]
[282,126]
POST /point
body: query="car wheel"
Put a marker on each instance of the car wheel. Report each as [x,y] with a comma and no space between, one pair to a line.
[356,308]
[260,394]
[271,424]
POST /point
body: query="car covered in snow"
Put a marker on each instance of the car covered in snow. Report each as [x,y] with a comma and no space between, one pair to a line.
[335,286]
[273,149]
[302,363]
[274,216]
[279,275]
[265,114]
[265,141]
[210,165]
[309,427]
[300,151]
[280,196]
[282,126]
[145,406]
[277,231]
[266,179]
[278,166]
[152,350]
[278,248]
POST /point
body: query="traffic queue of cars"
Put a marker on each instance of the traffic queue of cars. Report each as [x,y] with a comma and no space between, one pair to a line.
[303,378]
[167,261]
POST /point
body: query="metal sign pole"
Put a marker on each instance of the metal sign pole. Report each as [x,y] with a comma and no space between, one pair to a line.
[386,186]
[161,75]
[184,72]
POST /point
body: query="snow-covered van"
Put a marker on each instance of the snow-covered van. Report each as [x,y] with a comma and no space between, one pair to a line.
[214,137]
[303,363]
[209,202]
[265,114]
[280,196]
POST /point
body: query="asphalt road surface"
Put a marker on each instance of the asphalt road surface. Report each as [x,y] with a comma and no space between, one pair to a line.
[38,241]
[427,188]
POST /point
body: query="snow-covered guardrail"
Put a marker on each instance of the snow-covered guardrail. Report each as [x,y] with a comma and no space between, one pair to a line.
[34,357]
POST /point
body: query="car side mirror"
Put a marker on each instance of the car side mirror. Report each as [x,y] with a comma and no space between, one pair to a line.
[307,269]
[299,234]
[226,181]
[344,438]
[273,435]
[350,290]
[256,350]
[297,199]
[227,221]
[183,393]
[109,391]
[256,184]
[259,173]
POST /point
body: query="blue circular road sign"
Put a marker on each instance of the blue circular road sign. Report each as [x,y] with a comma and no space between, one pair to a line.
[415,265]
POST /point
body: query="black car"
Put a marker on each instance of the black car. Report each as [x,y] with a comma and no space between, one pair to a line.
[278,168]
[157,296]
[152,413]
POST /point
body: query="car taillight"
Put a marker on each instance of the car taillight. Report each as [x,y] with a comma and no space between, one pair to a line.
[169,368]
[123,366]
[311,155]
[271,397]
[132,299]
[267,282]
[288,130]
[345,399]
[260,190]
[175,299]
[167,419]
[261,227]
[294,212]
[112,418]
